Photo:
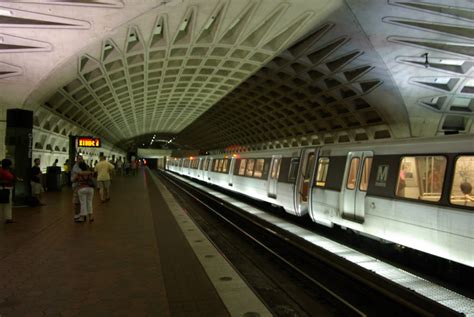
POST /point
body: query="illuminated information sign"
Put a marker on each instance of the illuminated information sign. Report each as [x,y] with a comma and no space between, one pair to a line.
[88,142]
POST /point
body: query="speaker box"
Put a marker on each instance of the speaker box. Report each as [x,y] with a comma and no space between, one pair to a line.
[19,142]
[19,118]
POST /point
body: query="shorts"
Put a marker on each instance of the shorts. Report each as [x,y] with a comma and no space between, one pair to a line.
[103,184]
[36,188]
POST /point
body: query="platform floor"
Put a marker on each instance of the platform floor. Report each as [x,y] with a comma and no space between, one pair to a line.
[133,260]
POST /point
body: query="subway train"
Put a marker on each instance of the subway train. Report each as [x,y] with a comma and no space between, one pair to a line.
[415,193]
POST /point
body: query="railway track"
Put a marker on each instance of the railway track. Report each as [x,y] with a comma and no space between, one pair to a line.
[347,288]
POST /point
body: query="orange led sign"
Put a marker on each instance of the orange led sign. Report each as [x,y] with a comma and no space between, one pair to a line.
[88,142]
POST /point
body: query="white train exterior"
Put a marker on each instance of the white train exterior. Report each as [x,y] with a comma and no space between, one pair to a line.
[416,193]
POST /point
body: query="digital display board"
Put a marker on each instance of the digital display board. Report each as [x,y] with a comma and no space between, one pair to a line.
[84,141]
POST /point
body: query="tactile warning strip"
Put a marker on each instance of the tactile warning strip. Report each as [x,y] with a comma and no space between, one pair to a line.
[236,295]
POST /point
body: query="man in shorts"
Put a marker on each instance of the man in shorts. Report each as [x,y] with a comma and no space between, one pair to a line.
[104,169]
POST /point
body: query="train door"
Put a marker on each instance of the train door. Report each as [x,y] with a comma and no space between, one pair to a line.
[199,167]
[303,180]
[231,171]
[273,176]
[207,175]
[356,179]
[205,161]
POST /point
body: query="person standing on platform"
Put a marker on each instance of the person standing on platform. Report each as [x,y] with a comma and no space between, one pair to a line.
[126,165]
[36,187]
[133,166]
[7,179]
[67,172]
[104,170]
[85,192]
[119,166]
[75,198]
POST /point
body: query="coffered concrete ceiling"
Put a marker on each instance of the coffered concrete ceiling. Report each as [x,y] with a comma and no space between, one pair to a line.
[238,74]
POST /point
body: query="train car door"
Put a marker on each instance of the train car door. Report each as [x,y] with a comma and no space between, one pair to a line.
[189,164]
[272,182]
[205,161]
[231,170]
[356,179]
[303,180]
[199,167]
[209,167]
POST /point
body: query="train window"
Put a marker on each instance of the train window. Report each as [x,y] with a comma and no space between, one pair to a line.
[206,164]
[224,167]
[242,166]
[295,162]
[219,167]
[216,164]
[364,180]
[309,166]
[249,168]
[352,176]
[266,167]
[276,168]
[259,168]
[323,166]
[421,177]
[461,192]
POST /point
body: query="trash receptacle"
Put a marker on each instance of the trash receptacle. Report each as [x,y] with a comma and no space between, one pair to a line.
[53,178]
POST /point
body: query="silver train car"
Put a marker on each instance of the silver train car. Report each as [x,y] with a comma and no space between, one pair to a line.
[416,193]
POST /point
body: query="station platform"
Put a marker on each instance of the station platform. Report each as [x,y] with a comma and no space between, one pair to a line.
[142,256]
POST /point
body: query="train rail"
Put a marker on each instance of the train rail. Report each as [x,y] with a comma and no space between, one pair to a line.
[364,285]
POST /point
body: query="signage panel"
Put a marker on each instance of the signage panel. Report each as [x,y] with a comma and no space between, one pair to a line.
[83,141]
